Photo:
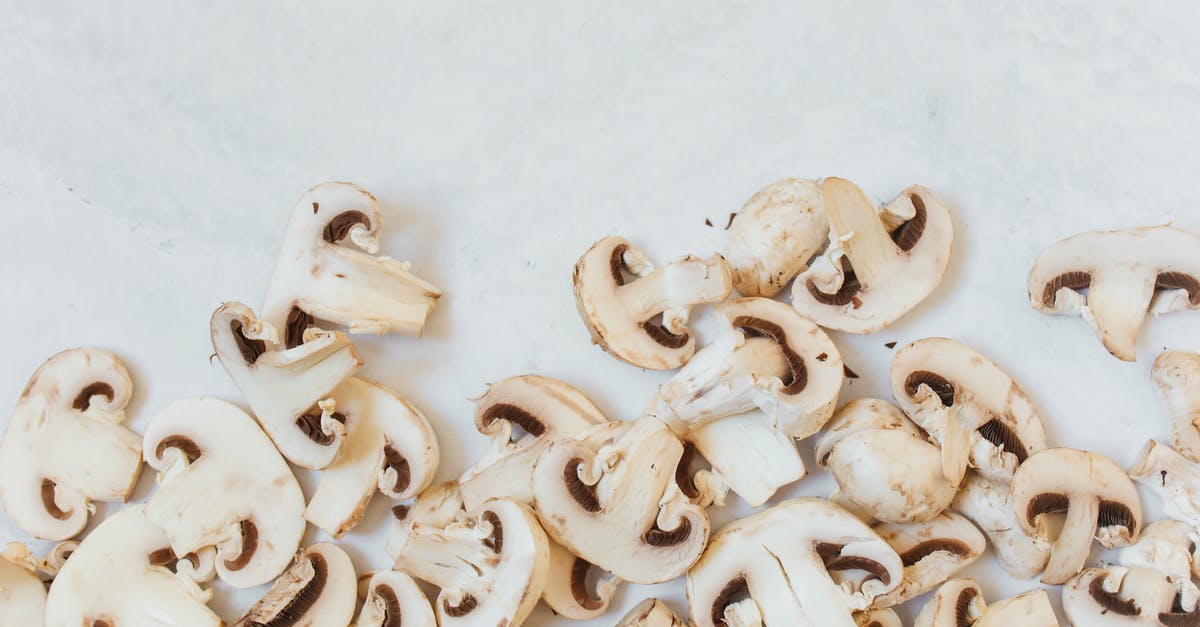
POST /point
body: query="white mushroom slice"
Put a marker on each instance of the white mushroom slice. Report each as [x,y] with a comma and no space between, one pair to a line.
[1173,477]
[319,589]
[568,593]
[1090,491]
[651,613]
[1118,596]
[880,263]
[638,313]
[959,603]
[389,446]
[883,463]
[22,593]
[878,618]
[116,556]
[223,485]
[1028,609]
[749,456]
[1125,273]
[931,552]
[394,600]
[437,506]
[319,276]
[776,565]
[775,235]
[284,387]
[1167,546]
[64,445]
[989,505]
[1177,376]
[968,405]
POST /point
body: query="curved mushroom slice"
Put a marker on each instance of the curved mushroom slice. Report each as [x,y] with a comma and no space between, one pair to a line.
[968,405]
[776,565]
[22,593]
[1177,376]
[1030,608]
[319,589]
[1093,494]
[932,552]
[880,263]
[989,505]
[651,613]
[638,313]
[1125,273]
[319,276]
[775,235]
[284,387]
[878,618]
[959,603]
[568,591]
[1173,477]
[1169,547]
[1117,596]
[223,485]
[437,506]
[64,445]
[394,600]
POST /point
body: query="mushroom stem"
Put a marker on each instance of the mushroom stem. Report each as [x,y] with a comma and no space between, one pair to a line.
[679,284]
[446,557]
[1071,549]
[1116,305]
[823,601]
[957,441]
[1177,376]
[856,222]
[371,294]
[752,456]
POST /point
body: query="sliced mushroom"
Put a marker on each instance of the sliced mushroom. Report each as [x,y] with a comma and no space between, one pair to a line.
[989,505]
[1117,596]
[960,603]
[651,613]
[319,589]
[932,552]
[775,235]
[569,592]
[64,445]
[1028,609]
[223,485]
[638,313]
[22,593]
[1168,546]
[394,600]
[1177,376]
[1174,478]
[879,263]
[1092,493]
[437,506]
[1124,273]
[878,618]
[320,276]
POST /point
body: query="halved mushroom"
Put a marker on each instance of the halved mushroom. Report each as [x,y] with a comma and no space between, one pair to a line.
[223,485]
[284,387]
[959,603]
[1177,376]
[638,313]
[989,505]
[968,405]
[651,613]
[64,445]
[1175,478]
[394,600]
[22,593]
[931,552]
[1124,273]
[319,276]
[879,263]
[878,618]
[319,589]
[775,235]
[775,566]
[1090,491]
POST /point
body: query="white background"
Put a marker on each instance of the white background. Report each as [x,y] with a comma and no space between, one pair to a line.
[150,154]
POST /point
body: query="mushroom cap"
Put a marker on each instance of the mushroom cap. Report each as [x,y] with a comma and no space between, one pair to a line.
[223,485]
[957,603]
[932,552]
[1176,374]
[775,234]
[879,263]
[1126,273]
[1117,597]
[64,445]
[319,589]
[651,613]
[22,594]
[394,600]
[989,505]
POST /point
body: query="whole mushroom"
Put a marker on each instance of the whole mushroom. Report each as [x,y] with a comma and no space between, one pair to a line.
[775,235]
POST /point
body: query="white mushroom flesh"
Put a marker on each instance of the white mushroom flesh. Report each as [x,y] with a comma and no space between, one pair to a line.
[319,589]
[651,613]
[22,593]
[932,552]
[394,600]
[1177,377]
[989,505]
[775,235]
[1173,477]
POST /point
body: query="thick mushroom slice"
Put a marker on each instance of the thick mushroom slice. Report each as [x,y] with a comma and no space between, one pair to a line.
[1175,478]
[1177,377]
[1092,493]
[22,593]
[989,505]
[880,263]
[319,276]
[775,235]
[651,613]
[959,603]
[284,387]
[973,409]
[394,600]
[319,589]
[775,566]
[223,485]
[878,618]
[639,313]
[1125,273]
[113,579]
[932,552]
[64,445]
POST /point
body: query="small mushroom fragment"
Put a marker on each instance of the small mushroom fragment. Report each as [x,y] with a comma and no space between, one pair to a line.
[1177,376]
[223,485]
[878,618]
[1125,273]
[932,552]
[22,593]
[651,613]
[959,603]
[284,387]
[989,505]
[394,600]
[1092,493]
[879,263]
[1030,609]
[319,589]
[1168,546]
[639,313]
[319,276]
[64,445]
[1175,478]
[968,405]
[775,235]
[775,566]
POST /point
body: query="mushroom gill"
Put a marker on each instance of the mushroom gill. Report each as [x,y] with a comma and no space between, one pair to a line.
[831,555]
[48,487]
[844,296]
[1003,436]
[1113,513]
[84,400]
[736,590]
[249,546]
[658,332]
[579,585]
[1110,601]
[936,382]
[298,321]
[251,349]
[796,377]
[1076,281]
[656,536]
[584,494]
[962,607]
[463,608]
[1179,281]
[339,227]
[304,599]
[929,547]
[514,415]
[394,460]
[909,233]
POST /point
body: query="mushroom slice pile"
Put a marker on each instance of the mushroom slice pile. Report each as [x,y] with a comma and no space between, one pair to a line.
[389,446]
[880,263]
[959,603]
[1125,273]
[1175,478]
[775,235]
[931,552]
[394,600]
[1177,377]
[883,464]
[651,613]
[973,409]
[989,505]
[878,618]
[65,447]
[639,313]
[223,485]
[284,387]
[1090,491]
[774,567]
[22,593]
[319,276]
[319,589]
[112,580]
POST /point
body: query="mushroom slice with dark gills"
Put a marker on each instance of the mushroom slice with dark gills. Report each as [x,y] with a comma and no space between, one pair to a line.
[223,485]
[989,504]
[65,446]
[319,589]
[651,613]
[1124,274]
[1177,377]
[394,600]
[880,263]
[775,567]
[932,552]
[775,235]
[960,603]
[638,313]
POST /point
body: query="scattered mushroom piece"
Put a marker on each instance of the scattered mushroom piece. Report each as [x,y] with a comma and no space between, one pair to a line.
[22,593]
[878,618]
[319,589]
[1177,376]
[1174,478]
[64,445]
[568,592]
[437,506]
[960,603]
[775,235]
[1028,609]
[989,505]
[879,263]
[932,552]
[1125,273]
[394,600]
[639,313]
[651,613]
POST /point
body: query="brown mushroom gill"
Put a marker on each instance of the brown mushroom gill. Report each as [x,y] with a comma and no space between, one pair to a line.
[339,227]
[102,622]
[48,502]
[656,536]
[616,263]
[392,459]
[516,416]
[310,424]
[303,601]
[249,546]
[1003,436]
[183,444]
[844,296]
[298,321]
[1000,434]
[1046,503]
[908,234]
[937,383]
[1110,601]
[1179,617]
[580,589]
[400,512]
[1114,514]
[84,400]
[1076,281]
[658,332]
[734,591]
[584,494]
[495,540]
[831,555]
[684,477]
[796,377]
[929,547]
[1179,281]
[962,607]
[251,349]
[391,606]
[166,557]
[464,607]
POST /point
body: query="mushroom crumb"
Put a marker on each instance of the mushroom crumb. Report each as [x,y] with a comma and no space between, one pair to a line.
[850,374]
[890,344]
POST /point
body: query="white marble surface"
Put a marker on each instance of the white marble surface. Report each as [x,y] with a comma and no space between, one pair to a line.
[150,153]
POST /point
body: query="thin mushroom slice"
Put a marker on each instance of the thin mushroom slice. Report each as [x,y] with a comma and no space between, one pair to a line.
[22,593]
[774,236]
[1030,609]
[651,613]
[932,552]
[1173,477]
[394,600]
[878,618]
[319,589]
[989,505]
[1117,596]
[569,590]
[64,446]
[960,603]
[1169,547]
[1177,377]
